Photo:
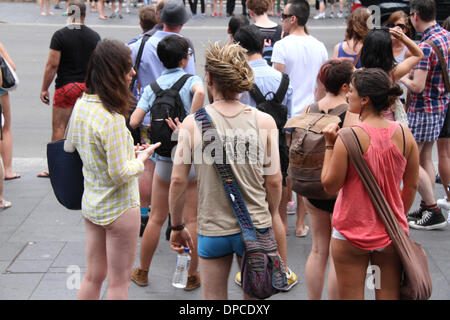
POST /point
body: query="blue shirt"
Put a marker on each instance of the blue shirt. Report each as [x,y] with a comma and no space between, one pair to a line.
[268,80]
[165,81]
[151,67]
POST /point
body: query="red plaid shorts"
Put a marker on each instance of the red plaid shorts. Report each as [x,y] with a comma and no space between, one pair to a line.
[67,95]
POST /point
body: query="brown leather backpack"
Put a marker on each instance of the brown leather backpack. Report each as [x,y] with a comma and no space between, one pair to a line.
[307,150]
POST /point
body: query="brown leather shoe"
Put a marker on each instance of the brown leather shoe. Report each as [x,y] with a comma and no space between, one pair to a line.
[140,277]
[193,282]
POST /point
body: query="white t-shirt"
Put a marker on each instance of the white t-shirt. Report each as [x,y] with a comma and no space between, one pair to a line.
[302,57]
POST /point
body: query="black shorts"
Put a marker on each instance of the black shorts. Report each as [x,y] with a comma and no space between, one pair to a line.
[445,131]
[325,205]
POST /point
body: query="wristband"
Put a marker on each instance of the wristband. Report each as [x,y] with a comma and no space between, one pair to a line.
[329,147]
[177,228]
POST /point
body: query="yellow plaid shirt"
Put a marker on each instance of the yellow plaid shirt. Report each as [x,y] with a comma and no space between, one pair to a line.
[110,167]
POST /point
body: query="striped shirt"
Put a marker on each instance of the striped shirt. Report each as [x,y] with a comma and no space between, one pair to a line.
[110,168]
[434,98]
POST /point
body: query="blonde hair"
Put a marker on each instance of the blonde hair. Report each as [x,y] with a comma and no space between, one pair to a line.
[228,66]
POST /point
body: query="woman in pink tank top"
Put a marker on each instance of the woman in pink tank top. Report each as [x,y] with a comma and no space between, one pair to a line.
[359,236]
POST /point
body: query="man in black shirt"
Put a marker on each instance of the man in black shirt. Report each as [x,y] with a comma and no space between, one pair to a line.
[70,50]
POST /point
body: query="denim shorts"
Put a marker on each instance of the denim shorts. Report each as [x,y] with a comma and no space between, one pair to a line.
[217,247]
[3,92]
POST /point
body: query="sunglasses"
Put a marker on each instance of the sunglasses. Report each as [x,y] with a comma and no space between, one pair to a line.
[401,25]
[285,16]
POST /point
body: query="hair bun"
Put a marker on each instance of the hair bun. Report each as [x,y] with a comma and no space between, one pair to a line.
[395,90]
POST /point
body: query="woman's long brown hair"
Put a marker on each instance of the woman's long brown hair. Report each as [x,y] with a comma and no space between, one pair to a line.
[106,76]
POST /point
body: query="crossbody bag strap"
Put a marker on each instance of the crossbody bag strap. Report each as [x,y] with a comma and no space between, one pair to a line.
[442,62]
[137,62]
[230,185]
[379,201]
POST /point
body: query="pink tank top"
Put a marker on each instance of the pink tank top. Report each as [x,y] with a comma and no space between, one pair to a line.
[354,215]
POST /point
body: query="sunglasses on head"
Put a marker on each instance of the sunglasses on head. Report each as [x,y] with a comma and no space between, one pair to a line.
[401,25]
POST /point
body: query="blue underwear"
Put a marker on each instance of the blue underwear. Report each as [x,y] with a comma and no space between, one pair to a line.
[217,247]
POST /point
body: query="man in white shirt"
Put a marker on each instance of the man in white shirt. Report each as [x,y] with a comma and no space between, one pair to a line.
[299,54]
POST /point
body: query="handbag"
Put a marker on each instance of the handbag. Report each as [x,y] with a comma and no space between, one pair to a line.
[9,77]
[400,113]
[66,171]
[416,282]
[262,270]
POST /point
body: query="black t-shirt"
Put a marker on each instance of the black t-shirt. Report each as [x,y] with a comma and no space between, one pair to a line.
[271,35]
[76,44]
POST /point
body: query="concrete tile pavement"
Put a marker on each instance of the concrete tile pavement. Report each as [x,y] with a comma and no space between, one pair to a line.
[42,248]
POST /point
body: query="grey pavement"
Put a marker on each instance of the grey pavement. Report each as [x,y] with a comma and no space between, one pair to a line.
[42,244]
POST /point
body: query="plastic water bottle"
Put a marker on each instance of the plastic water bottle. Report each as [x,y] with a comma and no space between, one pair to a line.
[180,276]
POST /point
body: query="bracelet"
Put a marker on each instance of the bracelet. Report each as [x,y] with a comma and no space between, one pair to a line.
[329,147]
[177,228]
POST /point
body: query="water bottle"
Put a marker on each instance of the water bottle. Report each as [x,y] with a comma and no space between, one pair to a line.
[180,276]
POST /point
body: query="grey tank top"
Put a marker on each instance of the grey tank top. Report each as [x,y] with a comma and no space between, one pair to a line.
[240,133]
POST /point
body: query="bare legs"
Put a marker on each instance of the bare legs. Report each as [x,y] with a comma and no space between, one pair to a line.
[443,146]
[158,215]
[320,222]
[7,143]
[351,266]
[41,6]
[110,252]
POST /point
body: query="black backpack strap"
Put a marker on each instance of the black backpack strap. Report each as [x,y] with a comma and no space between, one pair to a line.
[256,94]
[284,85]
[180,83]
[155,88]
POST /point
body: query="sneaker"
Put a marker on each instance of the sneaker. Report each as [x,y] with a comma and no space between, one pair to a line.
[340,14]
[237,279]
[113,15]
[291,208]
[193,283]
[194,16]
[319,16]
[432,219]
[331,15]
[417,214]
[140,277]
[292,279]
[203,15]
[443,204]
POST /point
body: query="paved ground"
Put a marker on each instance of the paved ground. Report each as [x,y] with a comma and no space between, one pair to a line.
[42,244]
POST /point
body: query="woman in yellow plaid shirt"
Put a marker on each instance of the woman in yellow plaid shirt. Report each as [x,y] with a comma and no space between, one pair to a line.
[110,167]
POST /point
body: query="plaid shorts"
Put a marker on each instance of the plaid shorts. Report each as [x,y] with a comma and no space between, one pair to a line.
[424,126]
[67,96]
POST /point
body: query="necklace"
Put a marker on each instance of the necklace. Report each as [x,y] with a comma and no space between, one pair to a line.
[223,99]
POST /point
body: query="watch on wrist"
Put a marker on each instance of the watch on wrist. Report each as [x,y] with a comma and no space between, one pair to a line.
[177,228]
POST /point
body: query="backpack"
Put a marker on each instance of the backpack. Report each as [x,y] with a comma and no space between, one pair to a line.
[278,111]
[167,104]
[307,150]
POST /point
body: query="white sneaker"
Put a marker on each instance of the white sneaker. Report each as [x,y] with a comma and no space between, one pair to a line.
[331,15]
[319,16]
[340,14]
[443,204]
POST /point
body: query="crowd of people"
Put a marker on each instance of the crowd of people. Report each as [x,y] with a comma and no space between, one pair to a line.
[389,90]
